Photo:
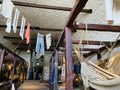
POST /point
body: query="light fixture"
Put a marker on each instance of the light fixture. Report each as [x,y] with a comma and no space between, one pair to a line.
[28,50]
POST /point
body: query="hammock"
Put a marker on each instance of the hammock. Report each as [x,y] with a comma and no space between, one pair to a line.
[99,78]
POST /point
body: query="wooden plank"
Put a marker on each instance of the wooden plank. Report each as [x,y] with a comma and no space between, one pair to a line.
[33,5]
[93,42]
[97,27]
[68,46]
[81,49]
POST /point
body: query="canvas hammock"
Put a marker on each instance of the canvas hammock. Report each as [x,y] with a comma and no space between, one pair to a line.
[99,78]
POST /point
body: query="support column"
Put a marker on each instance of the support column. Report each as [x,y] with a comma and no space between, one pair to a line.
[56,71]
[68,45]
[98,55]
[1,58]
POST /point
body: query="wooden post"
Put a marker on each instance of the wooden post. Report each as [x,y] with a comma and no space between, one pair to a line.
[98,55]
[56,71]
[51,71]
[68,45]
[1,58]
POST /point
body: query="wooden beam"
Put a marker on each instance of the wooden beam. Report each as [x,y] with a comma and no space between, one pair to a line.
[25,48]
[56,71]
[96,27]
[36,28]
[23,44]
[46,6]
[82,49]
[78,6]
[73,41]
[68,47]
[10,51]
[10,37]
[92,42]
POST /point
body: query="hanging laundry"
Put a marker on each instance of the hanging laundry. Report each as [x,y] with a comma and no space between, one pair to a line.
[6,11]
[33,56]
[8,28]
[48,40]
[113,11]
[15,21]
[27,34]
[7,7]
[40,44]
[22,28]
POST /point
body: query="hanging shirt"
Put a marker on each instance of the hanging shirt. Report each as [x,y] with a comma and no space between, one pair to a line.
[22,28]
[7,7]
[15,21]
[6,11]
[27,34]
[8,28]
[113,11]
[48,40]
[40,44]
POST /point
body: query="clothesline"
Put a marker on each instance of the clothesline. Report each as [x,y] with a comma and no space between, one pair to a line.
[15,22]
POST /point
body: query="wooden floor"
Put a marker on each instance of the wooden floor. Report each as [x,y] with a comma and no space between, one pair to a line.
[33,85]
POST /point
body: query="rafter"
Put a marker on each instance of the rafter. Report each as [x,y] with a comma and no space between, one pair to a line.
[93,42]
[96,27]
[82,49]
[46,6]
[36,28]
[10,37]
[73,41]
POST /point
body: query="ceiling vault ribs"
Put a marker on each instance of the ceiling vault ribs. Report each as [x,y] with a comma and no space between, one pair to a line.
[47,6]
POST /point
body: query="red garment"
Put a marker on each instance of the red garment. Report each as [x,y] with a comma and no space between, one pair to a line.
[27,34]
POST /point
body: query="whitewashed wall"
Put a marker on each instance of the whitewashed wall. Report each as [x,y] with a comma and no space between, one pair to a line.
[98,16]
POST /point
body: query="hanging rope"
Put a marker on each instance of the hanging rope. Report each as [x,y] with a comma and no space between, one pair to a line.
[112,47]
[17,46]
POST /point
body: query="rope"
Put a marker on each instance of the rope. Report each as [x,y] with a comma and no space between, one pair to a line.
[17,46]
[112,47]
